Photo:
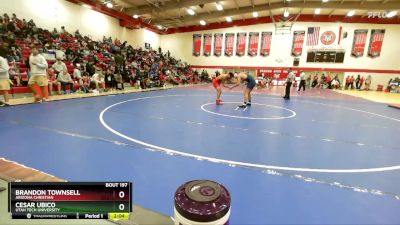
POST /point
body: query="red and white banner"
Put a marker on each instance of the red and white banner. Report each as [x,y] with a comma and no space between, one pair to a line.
[266,38]
[254,38]
[241,43]
[298,41]
[196,44]
[229,41]
[375,43]
[207,44]
[218,38]
[359,40]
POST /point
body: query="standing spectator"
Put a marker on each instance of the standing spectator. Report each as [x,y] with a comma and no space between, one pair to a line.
[328,81]
[59,66]
[118,81]
[38,65]
[308,81]
[347,83]
[302,81]
[351,83]
[368,82]
[358,80]
[65,79]
[52,80]
[361,82]
[289,81]
[4,80]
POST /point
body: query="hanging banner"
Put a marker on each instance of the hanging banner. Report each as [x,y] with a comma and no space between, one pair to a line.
[359,40]
[298,41]
[241,43]
[229,40]
[252,49]
[207,44]
[375,43]
[196,44]
[266,38]
[218,44]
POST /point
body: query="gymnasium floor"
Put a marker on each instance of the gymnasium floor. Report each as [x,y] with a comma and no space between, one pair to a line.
[320,158]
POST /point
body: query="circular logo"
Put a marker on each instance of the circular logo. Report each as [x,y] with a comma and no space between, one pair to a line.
[328,37]
[207,191]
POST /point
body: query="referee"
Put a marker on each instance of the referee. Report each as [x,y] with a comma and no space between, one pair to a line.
[289,81]
[302,81]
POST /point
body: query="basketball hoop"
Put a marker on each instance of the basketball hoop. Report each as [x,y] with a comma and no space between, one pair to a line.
[283,26]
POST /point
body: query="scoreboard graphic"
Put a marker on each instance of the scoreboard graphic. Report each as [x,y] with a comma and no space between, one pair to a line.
[70,200]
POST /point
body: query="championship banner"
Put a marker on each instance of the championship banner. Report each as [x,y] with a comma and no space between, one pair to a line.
[359,40]
[229,40]
[196,44]
[207,44]
[218,44]
[266,38]
[298,41]
[252,49]
[241,43]
[375,43]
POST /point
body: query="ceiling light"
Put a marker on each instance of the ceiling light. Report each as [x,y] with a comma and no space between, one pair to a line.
[351,13]
[286,13]
[391,14]
[87,6]
[109,5]
[190,12]
[135,16]
[219,7]
[228,19]
[202,22]
[325,0]
[317,11]
[255,14]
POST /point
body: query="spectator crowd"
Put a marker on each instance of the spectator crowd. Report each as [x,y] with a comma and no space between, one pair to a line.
[77,62]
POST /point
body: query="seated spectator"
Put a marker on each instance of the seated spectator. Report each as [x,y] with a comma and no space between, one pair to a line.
[59,66]
[85,85]
[60,53]
[77,74]
[77,34]
[335,84]
[65,79]
[97,80]
[315,81]
[90,68]
[52,80]
[109,79]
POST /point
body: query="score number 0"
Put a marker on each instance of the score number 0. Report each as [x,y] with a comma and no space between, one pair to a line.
[121,195]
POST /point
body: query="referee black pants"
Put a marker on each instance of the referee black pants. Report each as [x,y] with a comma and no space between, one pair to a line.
[287,91]
[302,84]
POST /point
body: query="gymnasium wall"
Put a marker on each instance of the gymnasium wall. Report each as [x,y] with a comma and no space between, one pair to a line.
[180,45]
[51,14]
